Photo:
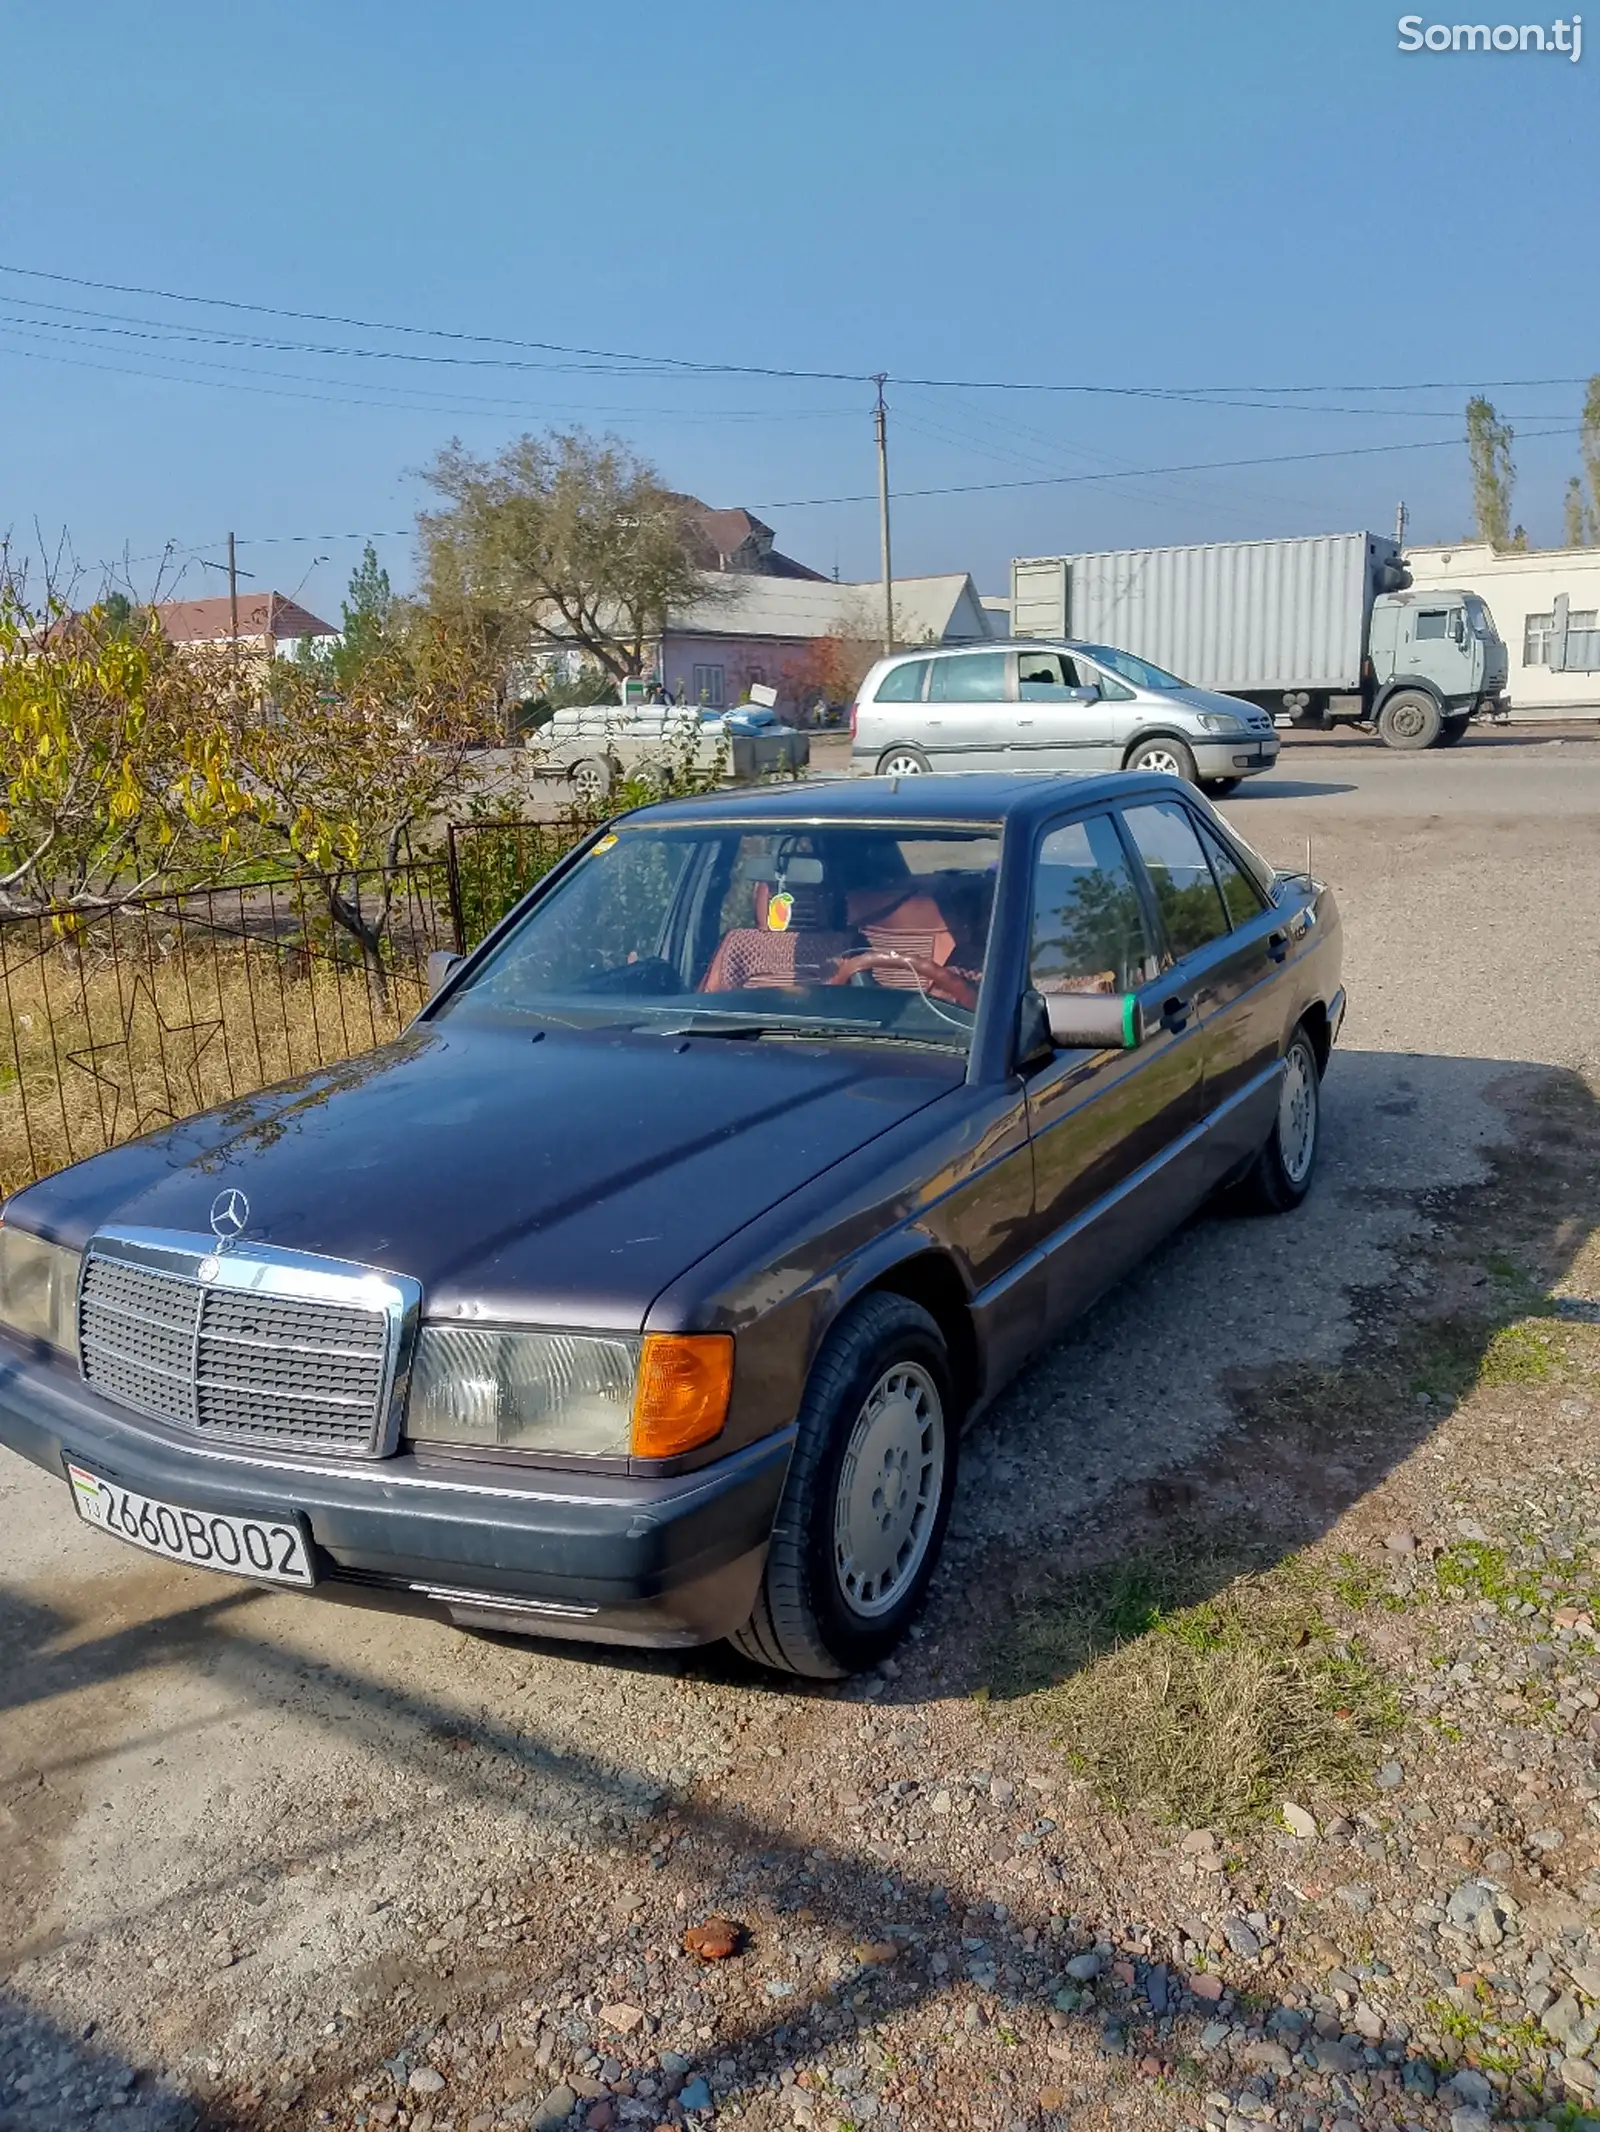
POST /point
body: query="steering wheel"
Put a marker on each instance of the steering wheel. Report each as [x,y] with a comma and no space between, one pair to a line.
[937,981]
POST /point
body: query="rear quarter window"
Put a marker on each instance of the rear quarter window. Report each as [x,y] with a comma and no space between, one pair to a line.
[902,684]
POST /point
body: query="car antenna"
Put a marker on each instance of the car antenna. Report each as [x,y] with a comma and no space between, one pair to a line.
[1308,855]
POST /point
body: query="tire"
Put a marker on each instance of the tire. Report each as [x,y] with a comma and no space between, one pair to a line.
[589,780]
[880,1395]
[1281,1174]
[903,762]
[1452,730]
[1409,720]
[1218,788]
[1164,754]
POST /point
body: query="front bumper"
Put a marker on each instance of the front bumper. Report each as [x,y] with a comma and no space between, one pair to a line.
[541,1552]
[1235,755]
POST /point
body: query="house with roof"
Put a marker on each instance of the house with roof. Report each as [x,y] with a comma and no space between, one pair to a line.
[736,540]
[806,638]
[268,623]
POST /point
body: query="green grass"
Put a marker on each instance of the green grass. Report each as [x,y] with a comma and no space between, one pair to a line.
[1191,1685]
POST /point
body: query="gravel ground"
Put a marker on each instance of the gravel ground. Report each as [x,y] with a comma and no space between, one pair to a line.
[262,1861]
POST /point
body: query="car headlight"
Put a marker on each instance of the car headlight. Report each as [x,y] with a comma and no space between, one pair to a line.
[39,1289]
[1222,722]
[587,1395]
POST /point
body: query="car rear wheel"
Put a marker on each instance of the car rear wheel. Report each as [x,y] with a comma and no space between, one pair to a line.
[865,1506]
[1410,719]
[590,780]
[1166,756]
[1219,787]
[1281,1175]
[904,762]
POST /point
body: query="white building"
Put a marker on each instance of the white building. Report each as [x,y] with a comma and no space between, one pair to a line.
[1546,605]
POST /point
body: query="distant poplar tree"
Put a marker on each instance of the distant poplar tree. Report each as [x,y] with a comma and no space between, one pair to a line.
[1493,473]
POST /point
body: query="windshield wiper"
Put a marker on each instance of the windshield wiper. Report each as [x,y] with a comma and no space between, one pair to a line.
[747,1031]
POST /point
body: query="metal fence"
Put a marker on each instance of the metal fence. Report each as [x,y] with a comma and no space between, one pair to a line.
[492,865]
[112,1023]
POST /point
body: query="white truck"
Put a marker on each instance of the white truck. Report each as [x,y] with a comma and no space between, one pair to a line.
[1318,631]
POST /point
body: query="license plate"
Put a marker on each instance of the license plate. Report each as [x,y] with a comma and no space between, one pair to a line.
[271,1549]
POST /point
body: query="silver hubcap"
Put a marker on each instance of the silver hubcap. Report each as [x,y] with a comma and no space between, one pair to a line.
[1161,760]
[889,1490]
[902,766]
[588,784]
[1297,1114]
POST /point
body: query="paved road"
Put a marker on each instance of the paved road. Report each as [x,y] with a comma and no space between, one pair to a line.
[168,1736]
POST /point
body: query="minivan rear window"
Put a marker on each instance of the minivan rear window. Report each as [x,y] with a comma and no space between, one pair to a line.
[902,684]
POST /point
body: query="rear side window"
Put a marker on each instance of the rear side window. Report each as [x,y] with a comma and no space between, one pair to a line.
[1191,906]
[1241,895]
[1089,932]
[977,677]
[902,684]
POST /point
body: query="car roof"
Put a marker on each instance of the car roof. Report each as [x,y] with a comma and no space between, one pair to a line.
[951,651]
[953,796]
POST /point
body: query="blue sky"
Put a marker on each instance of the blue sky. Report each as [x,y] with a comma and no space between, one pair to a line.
[1169,195]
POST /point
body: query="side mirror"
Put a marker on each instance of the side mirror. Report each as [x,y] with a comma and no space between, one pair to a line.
[1094,1021]
[1035,1045]
[440,963]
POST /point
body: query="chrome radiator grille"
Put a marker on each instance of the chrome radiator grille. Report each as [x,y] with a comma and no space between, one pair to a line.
[234,1357]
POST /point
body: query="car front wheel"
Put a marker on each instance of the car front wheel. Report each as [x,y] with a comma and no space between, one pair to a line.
[904,762]
[1281,1174]
[1167,757]
[865,1506]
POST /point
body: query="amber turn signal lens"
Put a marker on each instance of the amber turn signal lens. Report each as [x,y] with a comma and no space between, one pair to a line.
[682,1399]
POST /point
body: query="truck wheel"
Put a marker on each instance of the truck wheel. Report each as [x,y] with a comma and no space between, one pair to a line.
[864,1509]
[1452,730]
[1409,719]
[1280,1176]
[590,780]
[1168,757]
[904,762]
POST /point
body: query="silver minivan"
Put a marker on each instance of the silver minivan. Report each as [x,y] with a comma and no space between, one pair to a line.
[1049,704]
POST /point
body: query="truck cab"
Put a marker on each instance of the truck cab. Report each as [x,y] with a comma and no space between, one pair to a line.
[1434,660]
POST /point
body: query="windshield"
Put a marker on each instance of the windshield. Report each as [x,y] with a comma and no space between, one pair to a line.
[1139,671]
[827,929]
[1479,616]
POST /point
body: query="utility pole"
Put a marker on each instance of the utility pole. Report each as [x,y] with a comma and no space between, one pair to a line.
[1399,525]
[881,430]
[233,604]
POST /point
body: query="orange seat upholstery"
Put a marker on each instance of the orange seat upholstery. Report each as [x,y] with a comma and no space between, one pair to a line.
[901,922]
[750,958]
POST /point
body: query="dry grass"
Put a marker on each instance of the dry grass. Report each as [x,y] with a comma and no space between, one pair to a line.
[1193,1688]
[91,1055]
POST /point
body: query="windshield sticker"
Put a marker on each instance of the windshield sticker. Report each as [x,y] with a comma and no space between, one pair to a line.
[780,909]
[605,843]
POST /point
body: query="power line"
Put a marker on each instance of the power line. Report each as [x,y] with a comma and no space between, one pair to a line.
[1203,466]
[667,364]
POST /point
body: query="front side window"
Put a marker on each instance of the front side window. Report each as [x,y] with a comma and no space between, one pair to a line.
[1089,930]
[1046,676]
[976,677]
[830,929]
[1432,622]
[1187,896]
[1139,671]
[903,683]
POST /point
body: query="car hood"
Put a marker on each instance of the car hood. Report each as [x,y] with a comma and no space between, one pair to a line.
[1210,699]
[559,1180]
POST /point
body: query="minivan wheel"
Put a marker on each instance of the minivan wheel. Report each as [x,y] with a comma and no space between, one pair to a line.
[1281,1175]
[864,1509]
[1218,788]
[1409,719]
[904,762]
[1166,756]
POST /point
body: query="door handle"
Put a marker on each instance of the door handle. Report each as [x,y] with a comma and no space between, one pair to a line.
[1175,1013]
[1278,946]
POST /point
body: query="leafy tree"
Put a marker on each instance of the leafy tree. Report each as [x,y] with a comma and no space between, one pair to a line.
[560,540]
[369,616]
[1589,451]
[1575,516]
[346,771]
[1493,473]
[115,776]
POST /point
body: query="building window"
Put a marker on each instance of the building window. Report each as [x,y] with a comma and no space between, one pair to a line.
[1542,642]
[710,687]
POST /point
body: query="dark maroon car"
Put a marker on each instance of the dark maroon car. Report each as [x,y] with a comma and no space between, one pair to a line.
[641,1290]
